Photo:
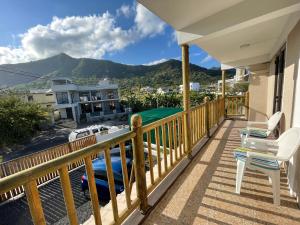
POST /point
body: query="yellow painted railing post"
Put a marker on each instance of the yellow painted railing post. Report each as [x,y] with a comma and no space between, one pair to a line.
[186,97]
[34,203]
[68,195]
[207,116]
[247,105]
[217,111]
[139,162]
[223,90]
[93,189]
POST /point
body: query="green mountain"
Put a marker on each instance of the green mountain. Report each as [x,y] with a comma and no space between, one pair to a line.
[83,70]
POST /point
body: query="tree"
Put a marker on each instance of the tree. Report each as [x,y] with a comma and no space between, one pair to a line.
[19,120]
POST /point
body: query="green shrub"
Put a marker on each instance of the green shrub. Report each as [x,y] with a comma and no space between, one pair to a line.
[19,120]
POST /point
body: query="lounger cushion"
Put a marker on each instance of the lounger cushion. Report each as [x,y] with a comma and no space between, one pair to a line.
[260,162]
[255,133]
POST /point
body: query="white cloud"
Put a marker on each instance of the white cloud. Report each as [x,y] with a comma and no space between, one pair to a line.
[155,62]
[207,59]
[173,38]
[147,23]
[125,10]
[87,36]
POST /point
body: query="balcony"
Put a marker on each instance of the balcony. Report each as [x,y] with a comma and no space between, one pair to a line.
[196,174]
[205,192]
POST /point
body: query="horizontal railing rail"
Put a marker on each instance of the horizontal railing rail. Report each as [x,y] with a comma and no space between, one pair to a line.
[29,176]
[157,149]
[19,164]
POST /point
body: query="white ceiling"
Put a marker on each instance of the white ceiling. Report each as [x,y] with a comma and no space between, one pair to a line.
[221,27]
[175,12]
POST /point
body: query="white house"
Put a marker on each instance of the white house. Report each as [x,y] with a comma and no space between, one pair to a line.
[164,90]
[147,89]
[240,76]
[74,101]
[194,86]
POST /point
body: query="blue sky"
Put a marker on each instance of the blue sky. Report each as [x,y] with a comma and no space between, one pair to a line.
[122,31]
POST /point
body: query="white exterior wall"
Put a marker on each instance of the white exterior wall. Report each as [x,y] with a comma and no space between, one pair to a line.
[194,86]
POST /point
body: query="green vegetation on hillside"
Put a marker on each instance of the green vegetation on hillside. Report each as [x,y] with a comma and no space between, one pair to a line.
[89,71]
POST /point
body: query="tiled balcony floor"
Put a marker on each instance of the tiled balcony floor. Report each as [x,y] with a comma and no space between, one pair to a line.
[204,193]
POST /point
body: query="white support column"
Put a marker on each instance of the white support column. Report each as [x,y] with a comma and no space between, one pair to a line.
[69,97]
[74,114]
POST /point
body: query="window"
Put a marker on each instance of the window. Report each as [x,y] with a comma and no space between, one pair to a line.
[97,107]
[30,98]
[84,96]
[110,94]
[95,131]
[82,134]
[62,98]
[74,97]
[95,95]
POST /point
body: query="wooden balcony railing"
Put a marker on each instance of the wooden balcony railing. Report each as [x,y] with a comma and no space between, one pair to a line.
[237,105]
[157,149]
[19,164]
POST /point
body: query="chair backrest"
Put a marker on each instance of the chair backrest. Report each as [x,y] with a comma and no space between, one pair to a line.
[274,120]
[288,143]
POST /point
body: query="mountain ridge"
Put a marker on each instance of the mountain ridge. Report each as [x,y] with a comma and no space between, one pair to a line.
[165,73]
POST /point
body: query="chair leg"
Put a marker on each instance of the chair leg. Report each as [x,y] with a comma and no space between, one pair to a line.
[243,140]
[276,186]
[239,175]
[270,180]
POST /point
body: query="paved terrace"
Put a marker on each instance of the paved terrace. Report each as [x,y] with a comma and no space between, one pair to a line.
[204,193]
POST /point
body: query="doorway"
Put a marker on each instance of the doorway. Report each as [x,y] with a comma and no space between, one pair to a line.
[279,77]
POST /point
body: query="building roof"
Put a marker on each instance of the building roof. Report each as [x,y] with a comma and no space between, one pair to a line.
[41,91]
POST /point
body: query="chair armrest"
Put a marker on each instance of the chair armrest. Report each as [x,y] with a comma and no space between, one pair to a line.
[251,155]
[262,149]
[258,123]
[256,128]
[262,141]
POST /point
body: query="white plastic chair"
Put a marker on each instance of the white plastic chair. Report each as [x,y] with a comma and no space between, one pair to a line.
[270,125]
[288,143]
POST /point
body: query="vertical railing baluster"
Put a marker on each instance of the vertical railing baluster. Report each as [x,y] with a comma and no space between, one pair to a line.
[199,122]
[164,147]
[247,105]
[150,157]
[175,138]
[34,203]
[207,123]
[179,135]
[111,184]
[125,174]
[68,195]
[92,189]
[157,142]
[185,151]
[170,143]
